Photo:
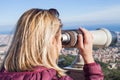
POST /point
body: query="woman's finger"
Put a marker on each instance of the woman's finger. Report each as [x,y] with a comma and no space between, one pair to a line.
[80,41]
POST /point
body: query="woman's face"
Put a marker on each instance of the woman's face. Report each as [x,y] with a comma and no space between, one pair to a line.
[59,41]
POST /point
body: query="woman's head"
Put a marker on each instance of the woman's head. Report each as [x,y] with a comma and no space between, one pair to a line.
[36,42]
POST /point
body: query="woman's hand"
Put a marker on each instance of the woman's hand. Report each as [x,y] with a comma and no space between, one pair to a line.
[85,45]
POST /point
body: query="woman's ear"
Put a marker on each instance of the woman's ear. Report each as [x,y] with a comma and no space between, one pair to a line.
[53,41]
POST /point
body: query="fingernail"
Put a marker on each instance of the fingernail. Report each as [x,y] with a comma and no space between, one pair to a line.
[80,27]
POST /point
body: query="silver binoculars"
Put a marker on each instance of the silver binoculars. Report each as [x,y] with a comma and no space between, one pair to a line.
[101,38]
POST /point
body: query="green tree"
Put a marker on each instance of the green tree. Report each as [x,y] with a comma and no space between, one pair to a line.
[67,60]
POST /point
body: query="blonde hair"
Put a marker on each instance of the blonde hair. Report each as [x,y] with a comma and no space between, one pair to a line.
[31,45]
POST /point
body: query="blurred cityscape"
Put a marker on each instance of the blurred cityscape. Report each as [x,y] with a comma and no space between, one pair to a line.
[110,55]
[5,41]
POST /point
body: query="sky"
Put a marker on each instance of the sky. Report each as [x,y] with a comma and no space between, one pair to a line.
[72,12]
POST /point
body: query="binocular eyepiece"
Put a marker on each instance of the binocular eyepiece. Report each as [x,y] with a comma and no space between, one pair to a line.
[101,38]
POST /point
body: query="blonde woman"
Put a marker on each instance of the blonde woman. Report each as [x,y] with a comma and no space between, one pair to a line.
[35,48]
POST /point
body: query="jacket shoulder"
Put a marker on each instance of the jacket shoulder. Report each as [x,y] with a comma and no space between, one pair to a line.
[39,73]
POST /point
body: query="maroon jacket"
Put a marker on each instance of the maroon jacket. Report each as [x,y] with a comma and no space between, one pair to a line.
[92,72]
